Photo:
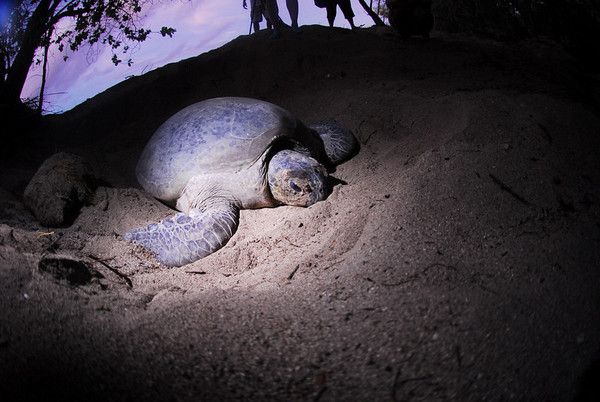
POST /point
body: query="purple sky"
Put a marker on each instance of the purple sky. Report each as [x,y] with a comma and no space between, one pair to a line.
[201,25]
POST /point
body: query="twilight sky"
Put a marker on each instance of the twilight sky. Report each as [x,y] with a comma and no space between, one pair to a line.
[201,25]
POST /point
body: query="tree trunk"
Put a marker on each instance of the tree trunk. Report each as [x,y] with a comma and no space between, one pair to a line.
[371,13]
[17,74]
[44,73]
[3,69]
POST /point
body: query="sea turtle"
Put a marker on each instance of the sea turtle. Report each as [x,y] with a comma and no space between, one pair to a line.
[218,156]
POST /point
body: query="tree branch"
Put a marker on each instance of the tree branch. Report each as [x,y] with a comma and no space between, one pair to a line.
[371,13]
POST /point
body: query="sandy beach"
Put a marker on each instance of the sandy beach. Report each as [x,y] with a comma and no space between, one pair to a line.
[459,261]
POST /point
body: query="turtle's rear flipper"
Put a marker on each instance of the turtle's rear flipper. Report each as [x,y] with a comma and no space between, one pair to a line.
[182,239]
[340,144]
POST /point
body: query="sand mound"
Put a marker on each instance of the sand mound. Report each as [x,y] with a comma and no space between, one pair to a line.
[460,260]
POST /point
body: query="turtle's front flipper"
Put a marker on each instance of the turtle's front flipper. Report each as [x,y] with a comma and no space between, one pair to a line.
[182,239]
[340,144]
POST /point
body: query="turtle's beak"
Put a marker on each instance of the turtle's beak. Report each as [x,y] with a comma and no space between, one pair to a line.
[316,185]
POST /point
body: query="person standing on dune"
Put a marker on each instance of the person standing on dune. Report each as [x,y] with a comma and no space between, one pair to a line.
[292,6]
[269,9]
[345,6]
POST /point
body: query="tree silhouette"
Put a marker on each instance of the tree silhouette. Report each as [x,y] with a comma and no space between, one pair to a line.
[29,25]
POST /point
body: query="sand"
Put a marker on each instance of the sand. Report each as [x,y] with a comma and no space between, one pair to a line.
[459,261]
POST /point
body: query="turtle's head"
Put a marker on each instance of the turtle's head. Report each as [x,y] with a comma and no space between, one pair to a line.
[296,179]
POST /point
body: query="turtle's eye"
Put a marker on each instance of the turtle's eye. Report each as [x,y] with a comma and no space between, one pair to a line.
[295,187]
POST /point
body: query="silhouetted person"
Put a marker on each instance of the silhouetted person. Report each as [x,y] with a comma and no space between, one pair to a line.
[292,6]
[344,6]
[269,9]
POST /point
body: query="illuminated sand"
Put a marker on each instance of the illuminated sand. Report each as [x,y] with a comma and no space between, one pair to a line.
[460,260]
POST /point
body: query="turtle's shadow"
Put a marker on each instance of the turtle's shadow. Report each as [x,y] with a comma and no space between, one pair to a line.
[331,182]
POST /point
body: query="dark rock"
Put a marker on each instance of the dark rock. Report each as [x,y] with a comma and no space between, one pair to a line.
[59,188]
